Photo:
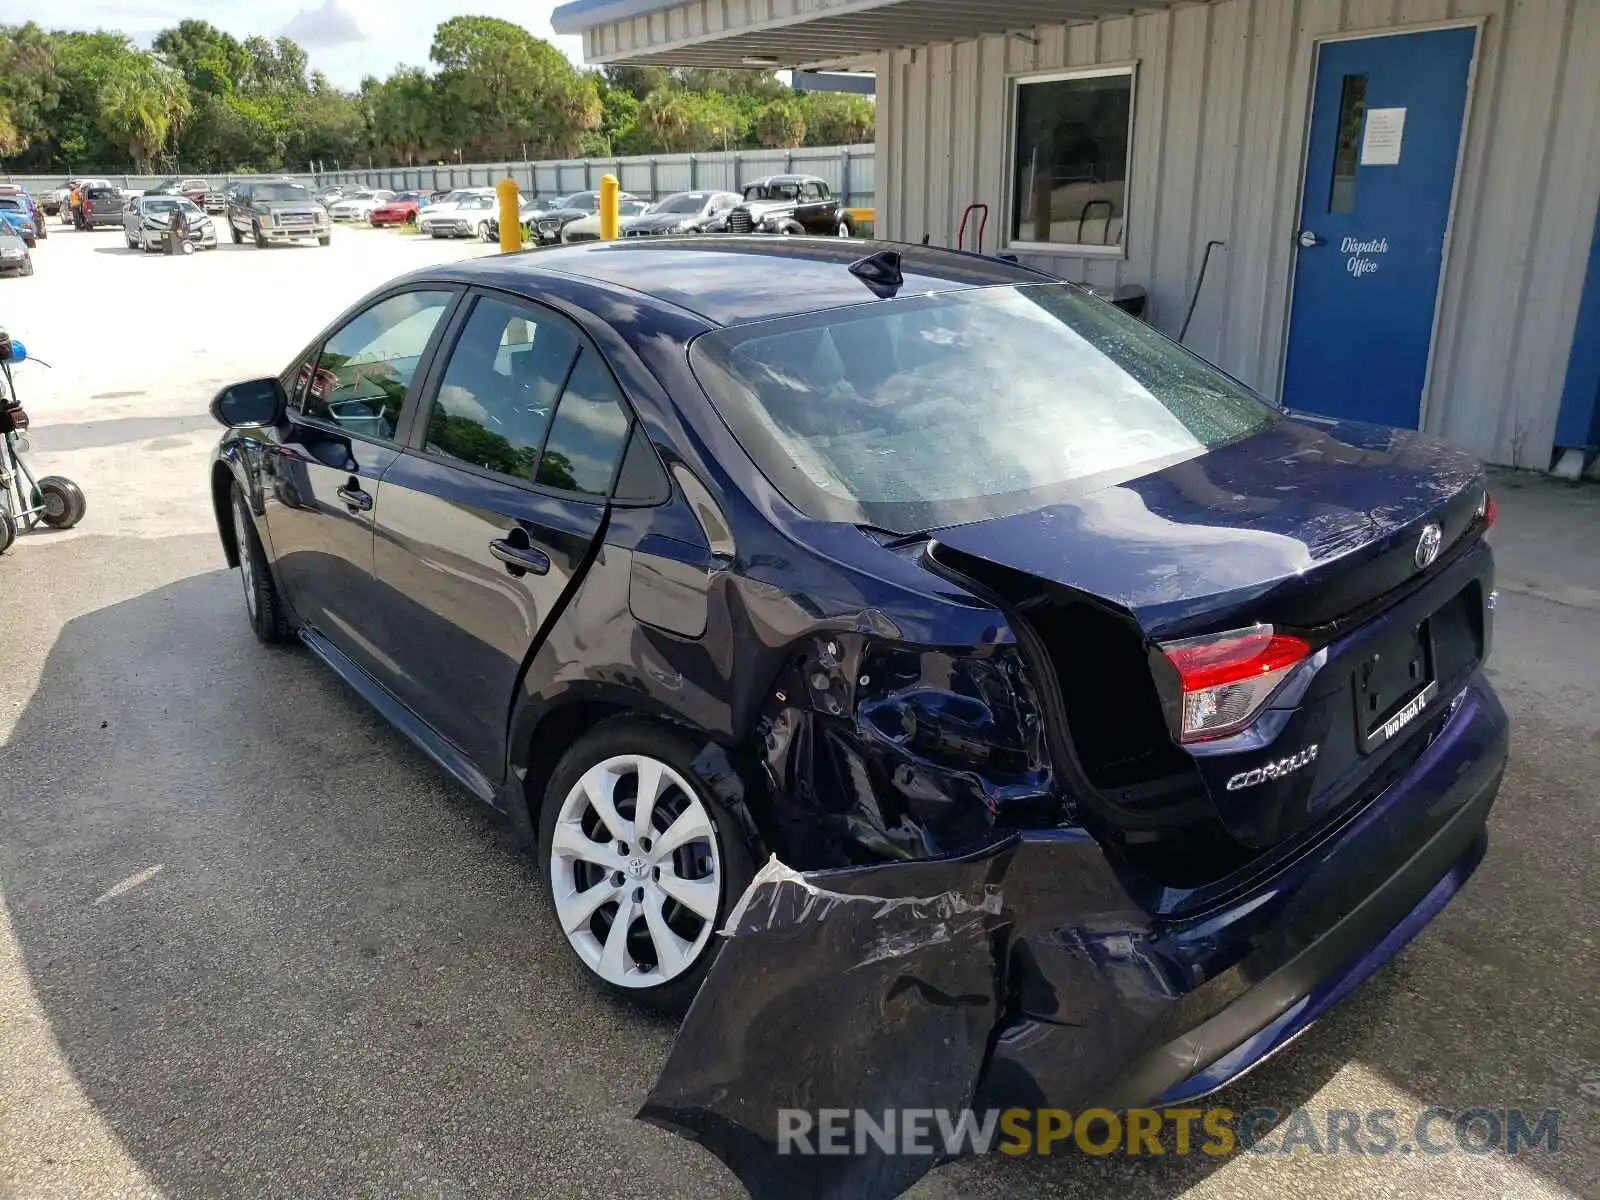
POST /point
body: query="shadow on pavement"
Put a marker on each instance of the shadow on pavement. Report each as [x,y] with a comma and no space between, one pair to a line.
[281,955]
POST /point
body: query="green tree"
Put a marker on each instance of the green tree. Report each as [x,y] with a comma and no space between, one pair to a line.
[211,62]
[508,88]
[780,125]
[142,104]
[692,121]
[837,118]
[30,87]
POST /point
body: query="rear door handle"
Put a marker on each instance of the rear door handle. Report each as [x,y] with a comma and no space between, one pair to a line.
[355,498]
[519,559]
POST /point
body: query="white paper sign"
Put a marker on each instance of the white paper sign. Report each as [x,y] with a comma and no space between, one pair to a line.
[1380,144]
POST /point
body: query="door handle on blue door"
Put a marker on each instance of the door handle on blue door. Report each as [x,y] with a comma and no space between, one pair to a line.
[355,499]
[1308,239]
[520,559]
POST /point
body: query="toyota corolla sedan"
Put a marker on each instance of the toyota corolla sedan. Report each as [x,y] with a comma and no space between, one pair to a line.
[688,554]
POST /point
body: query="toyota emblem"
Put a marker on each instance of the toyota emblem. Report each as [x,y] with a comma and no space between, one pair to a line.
[1428,546]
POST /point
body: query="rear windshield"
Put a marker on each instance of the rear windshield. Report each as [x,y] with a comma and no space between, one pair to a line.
[102,193]
[914,413]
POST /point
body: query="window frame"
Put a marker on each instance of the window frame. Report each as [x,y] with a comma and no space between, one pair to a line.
[428,392]
[1015,82]
[408,411]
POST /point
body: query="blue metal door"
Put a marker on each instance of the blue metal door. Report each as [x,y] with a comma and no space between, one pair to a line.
[1380,169]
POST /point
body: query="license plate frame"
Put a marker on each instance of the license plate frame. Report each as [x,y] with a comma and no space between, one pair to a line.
[1394,685]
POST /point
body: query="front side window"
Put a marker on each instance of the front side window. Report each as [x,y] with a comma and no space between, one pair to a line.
[811,191]
[366,369]
[927,411]
[500,387]
[1070,150]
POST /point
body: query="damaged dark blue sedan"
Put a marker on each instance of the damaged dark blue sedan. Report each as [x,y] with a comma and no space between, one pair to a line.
[1100,724]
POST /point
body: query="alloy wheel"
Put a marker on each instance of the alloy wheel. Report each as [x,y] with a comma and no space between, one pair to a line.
[635,871]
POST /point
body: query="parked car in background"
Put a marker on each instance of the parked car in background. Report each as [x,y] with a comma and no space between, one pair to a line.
[147,218]
[52,200]
[73,212]
[30,205]
[204,195]
[102,207]
[275,211]
[358,205]
[15,257]
[790,204]
[685,212]
[564,210]
[587,228]
[328,195]
[688,553]
[401,210]
[14,213]
[471,216]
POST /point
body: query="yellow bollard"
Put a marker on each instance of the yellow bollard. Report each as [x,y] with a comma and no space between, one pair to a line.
[506,192]
[610,191]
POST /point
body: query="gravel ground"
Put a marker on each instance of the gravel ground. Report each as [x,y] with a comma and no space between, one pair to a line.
[252,944]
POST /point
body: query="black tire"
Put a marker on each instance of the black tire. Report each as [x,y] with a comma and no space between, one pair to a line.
[325,240]
[631,735]
[263,605]
[261,238]
[238,238]
[62,501]
[845,226]
[791,228]
[8,530]
[27,266]
[44,231]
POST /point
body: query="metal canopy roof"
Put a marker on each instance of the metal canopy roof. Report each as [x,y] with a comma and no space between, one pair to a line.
[805,33]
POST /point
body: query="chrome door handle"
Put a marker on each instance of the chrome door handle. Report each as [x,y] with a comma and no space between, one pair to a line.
[354,498]
[520,559]
[1308,239]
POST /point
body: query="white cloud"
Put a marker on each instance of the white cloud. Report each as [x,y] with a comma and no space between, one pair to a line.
[330,25]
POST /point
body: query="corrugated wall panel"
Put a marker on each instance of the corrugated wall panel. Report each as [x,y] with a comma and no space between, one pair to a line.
[1220,116]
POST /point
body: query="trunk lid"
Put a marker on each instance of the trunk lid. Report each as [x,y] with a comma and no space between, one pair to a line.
[1310,526]
[1300,524]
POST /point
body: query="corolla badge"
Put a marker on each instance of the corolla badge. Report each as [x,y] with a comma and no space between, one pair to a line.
[1428,546]
[1274,770]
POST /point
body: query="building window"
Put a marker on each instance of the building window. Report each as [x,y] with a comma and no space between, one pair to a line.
[1069,176]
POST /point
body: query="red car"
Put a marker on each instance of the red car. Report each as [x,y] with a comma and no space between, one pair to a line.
[402,210]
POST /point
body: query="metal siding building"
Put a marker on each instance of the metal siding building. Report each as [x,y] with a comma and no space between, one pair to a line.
[1222,100]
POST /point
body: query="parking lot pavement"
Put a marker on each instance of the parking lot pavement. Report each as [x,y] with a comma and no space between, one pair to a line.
[252,944]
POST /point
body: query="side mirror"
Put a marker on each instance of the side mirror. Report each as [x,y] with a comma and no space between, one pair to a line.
[253,403]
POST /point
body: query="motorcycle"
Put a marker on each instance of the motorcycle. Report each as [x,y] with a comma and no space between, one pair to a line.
[26,502]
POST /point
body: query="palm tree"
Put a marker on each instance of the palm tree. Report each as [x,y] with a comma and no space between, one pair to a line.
[143,103]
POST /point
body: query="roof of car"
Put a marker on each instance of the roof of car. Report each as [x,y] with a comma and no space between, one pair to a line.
[771,179]
[733,280]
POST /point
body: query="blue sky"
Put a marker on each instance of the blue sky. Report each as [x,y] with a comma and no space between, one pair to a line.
[346,39]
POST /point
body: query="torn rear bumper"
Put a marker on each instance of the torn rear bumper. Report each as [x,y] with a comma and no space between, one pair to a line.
[1034,974]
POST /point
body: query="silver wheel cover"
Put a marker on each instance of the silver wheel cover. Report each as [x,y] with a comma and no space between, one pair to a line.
[635,871]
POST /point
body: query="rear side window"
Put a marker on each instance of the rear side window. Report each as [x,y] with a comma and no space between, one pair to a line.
[589,430]
[366,368]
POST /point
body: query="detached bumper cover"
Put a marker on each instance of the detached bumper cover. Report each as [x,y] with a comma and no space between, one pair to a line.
[1028,975]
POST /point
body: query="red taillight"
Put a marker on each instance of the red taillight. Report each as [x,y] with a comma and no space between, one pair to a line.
[1227,677]
[1488,510]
